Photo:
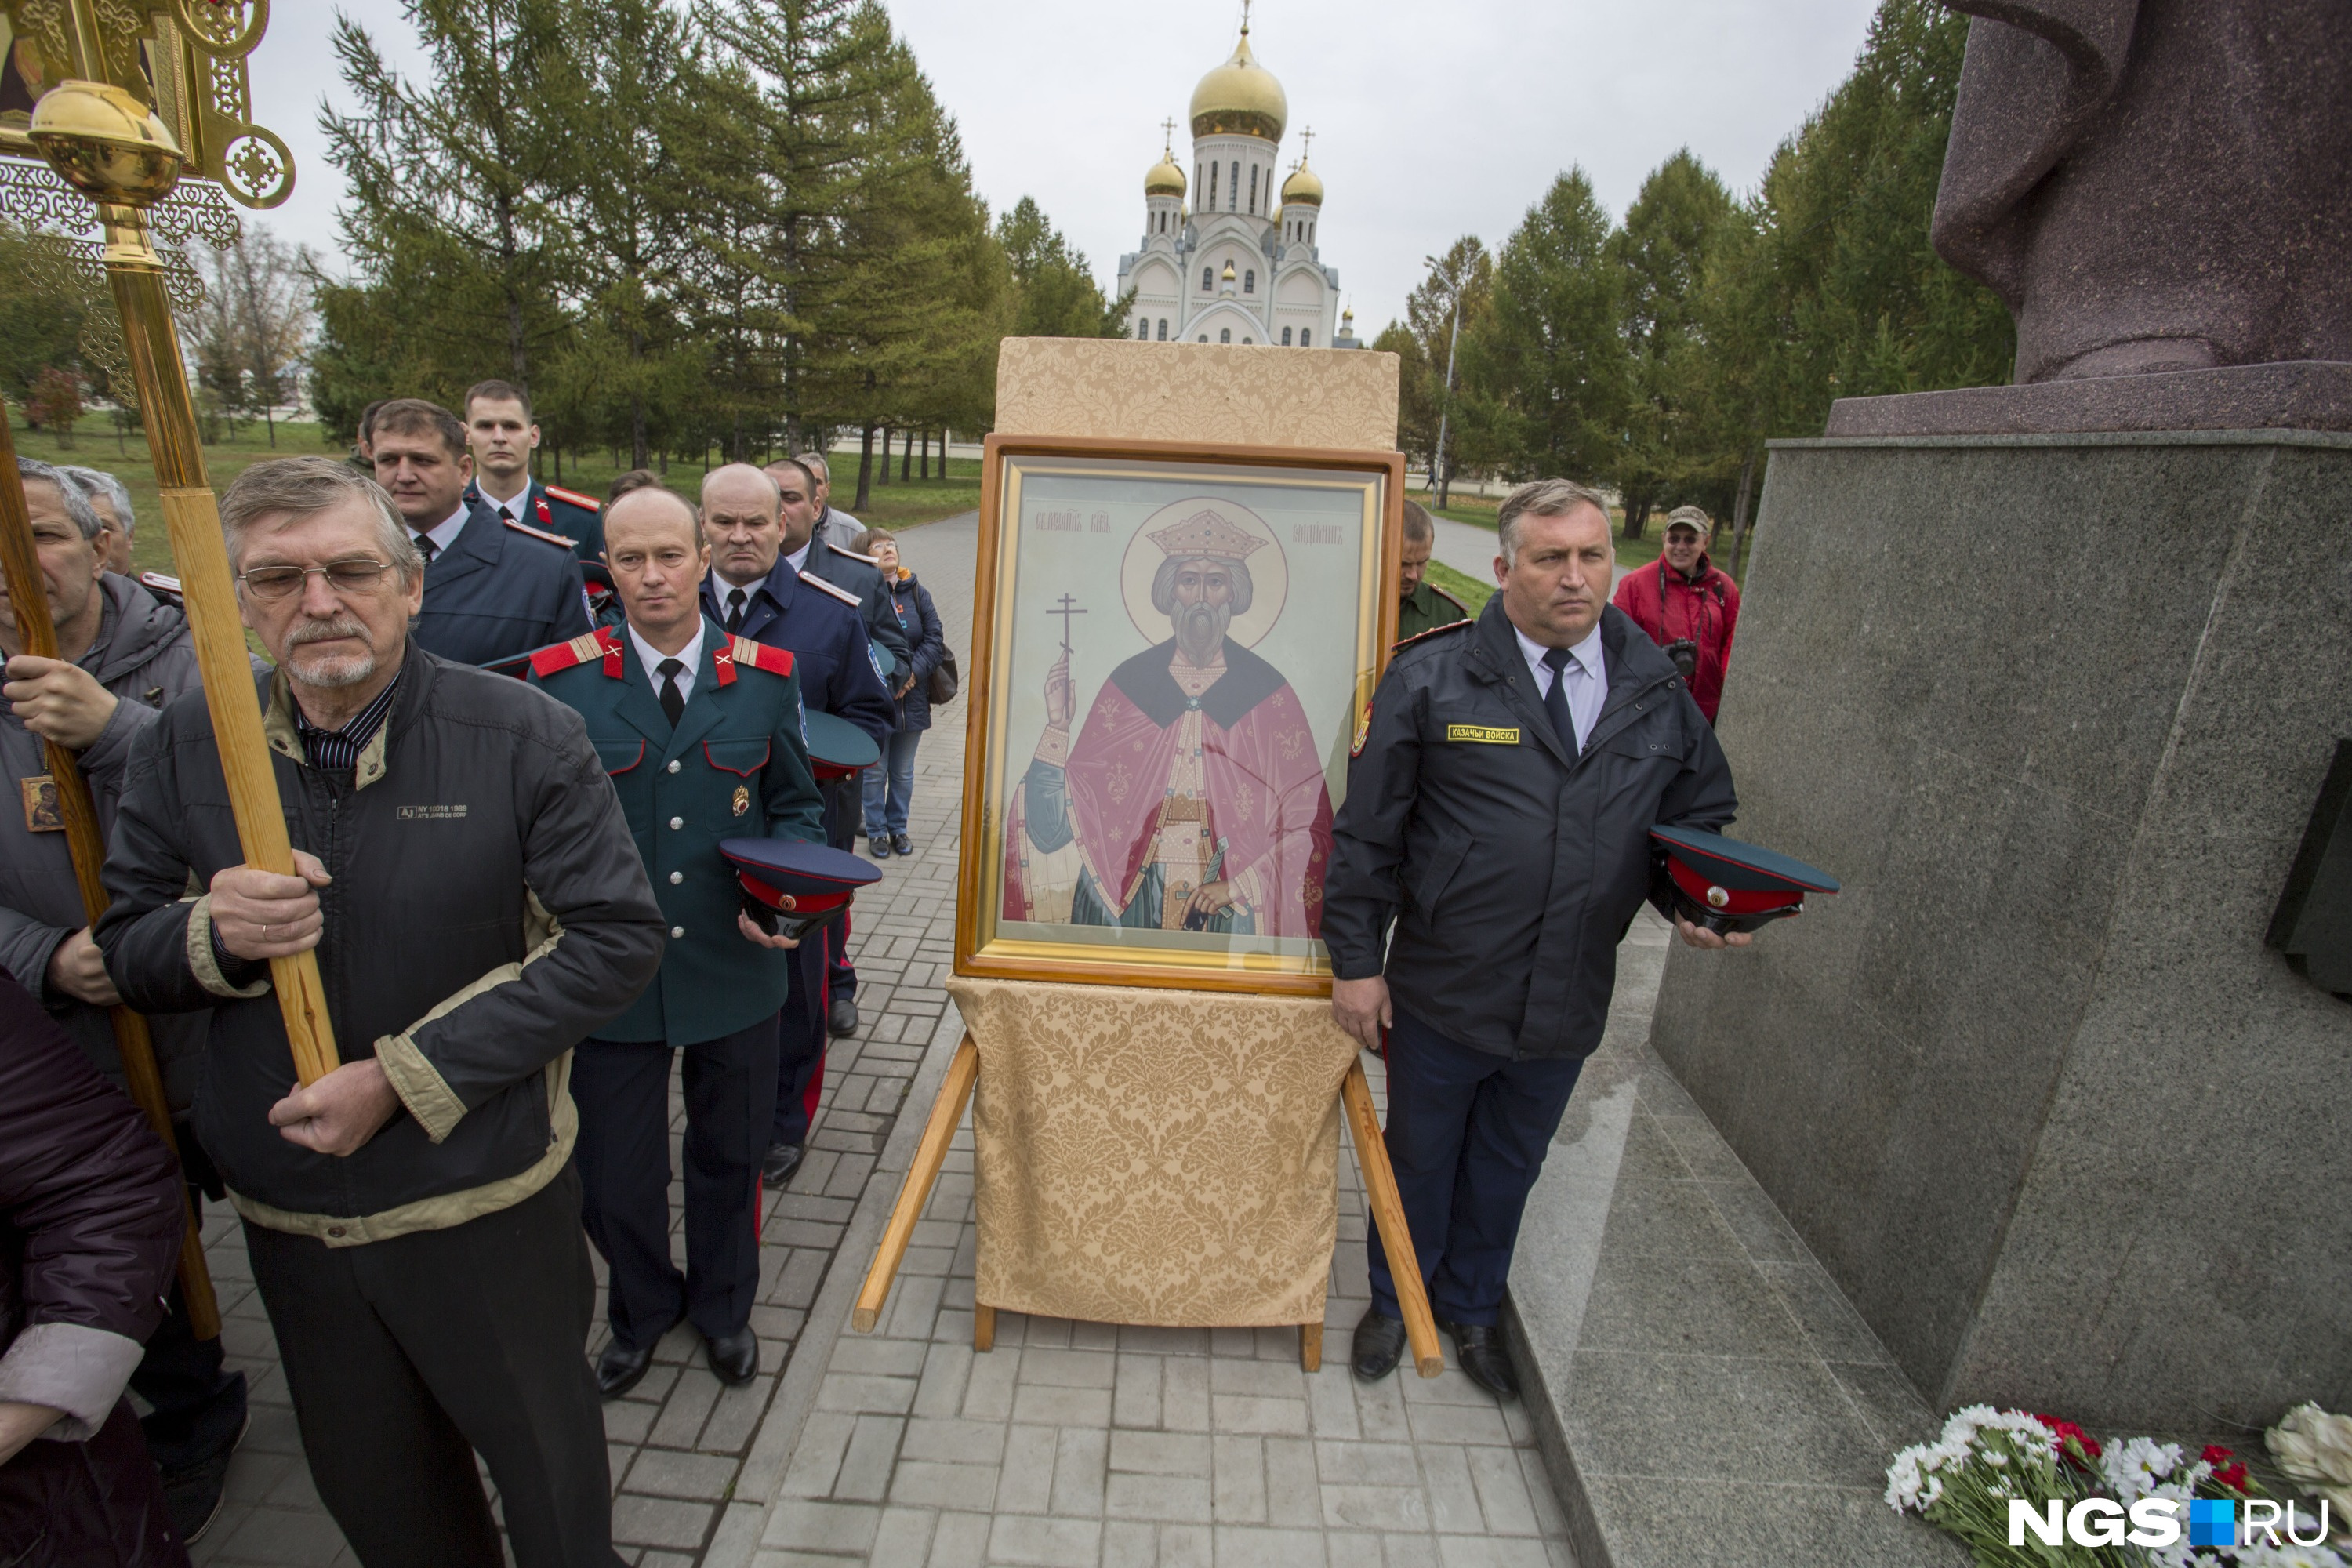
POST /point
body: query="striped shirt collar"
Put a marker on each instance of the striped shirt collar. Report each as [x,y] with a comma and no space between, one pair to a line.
[338,750]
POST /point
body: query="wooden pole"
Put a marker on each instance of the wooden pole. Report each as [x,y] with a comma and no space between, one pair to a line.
[946,1114]
[36,634]
[1388,1213]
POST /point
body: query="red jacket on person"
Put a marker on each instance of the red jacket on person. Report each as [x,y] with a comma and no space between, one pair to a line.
[1670,606]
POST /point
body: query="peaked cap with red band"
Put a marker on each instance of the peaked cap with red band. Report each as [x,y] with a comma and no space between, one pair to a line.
[837,748]
[796,879]
[1726,885]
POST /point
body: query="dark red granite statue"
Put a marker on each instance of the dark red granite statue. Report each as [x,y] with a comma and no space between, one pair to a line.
[2156,185]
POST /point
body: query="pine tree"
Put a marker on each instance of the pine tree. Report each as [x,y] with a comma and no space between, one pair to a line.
[1662,249]
[456,184]
[1054,292]
[1545,361]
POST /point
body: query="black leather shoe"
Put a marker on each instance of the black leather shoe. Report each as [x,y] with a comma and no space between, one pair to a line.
[734,1357]
[841,1018]
[901,845]
[879,846]
[620,1369]
[1482,1357]
[777,1169]
[1379,1342]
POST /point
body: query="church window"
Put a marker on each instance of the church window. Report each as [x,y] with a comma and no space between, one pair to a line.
[1212,187]
[1208,279]
[1234,201]
[1204,337]
[1252,188]
[1142,328]
[1249,281]
[1286,337]
[1249,340]
[1225,335]
[1163,328]
[1304,338]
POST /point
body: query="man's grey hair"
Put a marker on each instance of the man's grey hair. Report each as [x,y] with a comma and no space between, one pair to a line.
[813,462]
[1691,516]
[1541,498]
[304,487]
[1418,528]
[1164,583]
[77,504]
[94,482]
[775,491]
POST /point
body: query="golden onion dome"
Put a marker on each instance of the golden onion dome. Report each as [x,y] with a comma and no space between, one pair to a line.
[1163,178]
[1240,98]
[1304,187]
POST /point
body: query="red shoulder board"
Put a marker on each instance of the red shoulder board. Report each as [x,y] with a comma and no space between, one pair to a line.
[589,503]
[537,532]
[760,655]
[1434,631]
[604,643]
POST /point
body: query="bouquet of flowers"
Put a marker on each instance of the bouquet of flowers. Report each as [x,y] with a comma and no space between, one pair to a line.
[1964,1482]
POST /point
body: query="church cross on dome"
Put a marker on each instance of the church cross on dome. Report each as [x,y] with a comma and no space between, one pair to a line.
[1306,141]
[1168,137]
[1245,11]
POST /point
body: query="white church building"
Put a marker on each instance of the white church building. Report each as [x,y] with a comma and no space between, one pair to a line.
[1243,267]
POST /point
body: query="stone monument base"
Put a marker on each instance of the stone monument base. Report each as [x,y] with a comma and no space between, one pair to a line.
[2056,709]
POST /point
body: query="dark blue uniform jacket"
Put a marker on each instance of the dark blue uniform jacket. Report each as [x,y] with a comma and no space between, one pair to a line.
[858,574]
[1509,870]
[837,672]
[496,593]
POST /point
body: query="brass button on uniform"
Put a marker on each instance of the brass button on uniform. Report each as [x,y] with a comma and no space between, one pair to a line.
[677,877]
[677,931]
[673,766]
[675,823]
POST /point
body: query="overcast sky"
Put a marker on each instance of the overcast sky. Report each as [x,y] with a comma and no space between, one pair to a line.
[1430,121]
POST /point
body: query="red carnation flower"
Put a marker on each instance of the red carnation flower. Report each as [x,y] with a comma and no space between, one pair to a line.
[2069,1442]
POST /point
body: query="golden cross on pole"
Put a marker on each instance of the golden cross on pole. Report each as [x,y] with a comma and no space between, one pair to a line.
[1168,137]
[1306,143]
[103,131]
[1245,11]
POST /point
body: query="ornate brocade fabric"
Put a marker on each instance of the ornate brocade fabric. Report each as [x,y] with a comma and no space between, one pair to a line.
[1148,1156]
[1205,393]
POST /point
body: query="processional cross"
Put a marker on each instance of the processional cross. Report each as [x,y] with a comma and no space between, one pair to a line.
[1065,609]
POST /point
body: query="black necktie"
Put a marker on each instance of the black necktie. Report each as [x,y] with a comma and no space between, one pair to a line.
[735,609]
[673,701]
[1556,700]
[427,548]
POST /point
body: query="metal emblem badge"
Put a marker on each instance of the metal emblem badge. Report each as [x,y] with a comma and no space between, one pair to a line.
[1717,898]
[742,799]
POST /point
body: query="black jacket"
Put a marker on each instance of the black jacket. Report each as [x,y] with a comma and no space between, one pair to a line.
[489,910]
[1509,871]
[918,619]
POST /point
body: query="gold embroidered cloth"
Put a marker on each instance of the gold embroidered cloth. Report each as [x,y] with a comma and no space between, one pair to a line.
[1150,1156]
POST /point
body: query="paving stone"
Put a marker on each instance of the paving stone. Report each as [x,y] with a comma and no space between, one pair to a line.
[667,1472]
[1045,1542]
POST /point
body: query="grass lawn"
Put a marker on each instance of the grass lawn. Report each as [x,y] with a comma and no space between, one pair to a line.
[97,446]
[1479,512]
[1462,585]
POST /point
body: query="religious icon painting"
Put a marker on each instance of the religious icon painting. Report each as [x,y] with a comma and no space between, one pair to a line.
[1173,645]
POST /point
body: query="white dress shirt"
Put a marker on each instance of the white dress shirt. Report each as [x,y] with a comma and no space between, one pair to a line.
[798,558]
[512,507]
[445,534]
[690,656]
[1587,676]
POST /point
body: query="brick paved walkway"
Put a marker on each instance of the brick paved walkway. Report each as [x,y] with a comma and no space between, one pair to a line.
[1070,1442]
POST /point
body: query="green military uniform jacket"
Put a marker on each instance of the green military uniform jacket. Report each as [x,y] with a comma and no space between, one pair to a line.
[736,766]
[1426,608]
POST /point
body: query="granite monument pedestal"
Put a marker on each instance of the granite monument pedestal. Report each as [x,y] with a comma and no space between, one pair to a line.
[2056,709]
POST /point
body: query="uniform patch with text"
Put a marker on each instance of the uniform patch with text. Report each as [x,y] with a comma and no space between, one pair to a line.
[1482,734]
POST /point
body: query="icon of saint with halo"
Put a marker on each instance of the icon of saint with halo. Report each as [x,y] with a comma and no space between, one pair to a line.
[1193,798]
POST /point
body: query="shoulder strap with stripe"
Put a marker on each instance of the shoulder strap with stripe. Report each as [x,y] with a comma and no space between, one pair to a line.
[586,503]
[843,594]
[605,643]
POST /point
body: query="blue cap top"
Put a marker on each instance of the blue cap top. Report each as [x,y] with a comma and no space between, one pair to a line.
[815,875]
[836,743]
[1749,868]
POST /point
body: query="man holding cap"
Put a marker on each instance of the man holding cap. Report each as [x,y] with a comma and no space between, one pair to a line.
[700,734]
[752,525]
[1501,793]
[1687,604]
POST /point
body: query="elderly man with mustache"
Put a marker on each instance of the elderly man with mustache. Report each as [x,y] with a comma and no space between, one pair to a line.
[478,907]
